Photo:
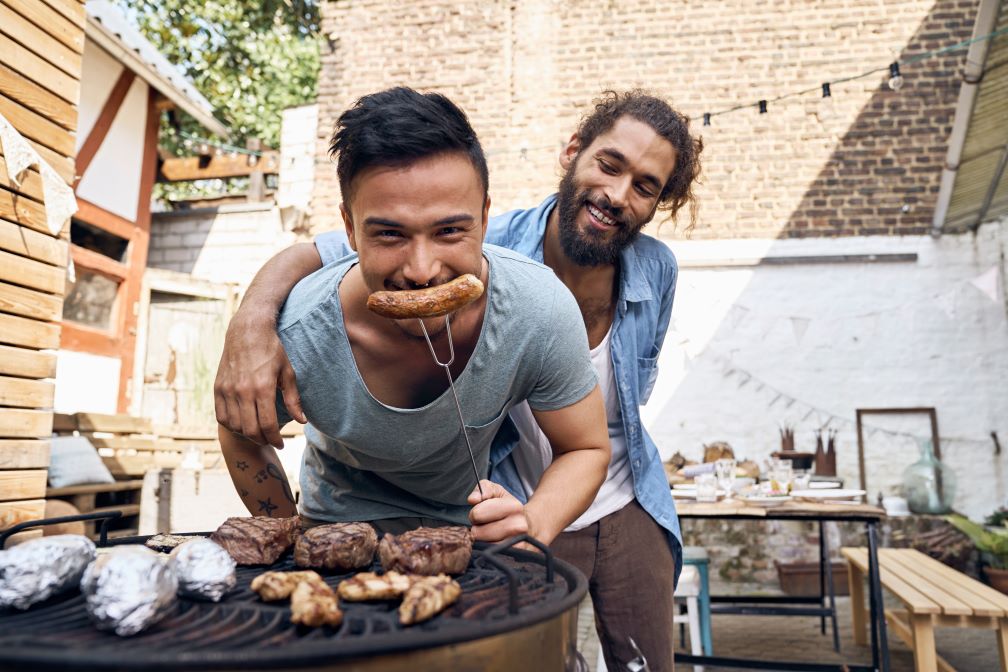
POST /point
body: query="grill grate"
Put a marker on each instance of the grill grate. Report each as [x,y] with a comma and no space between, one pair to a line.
[241,632]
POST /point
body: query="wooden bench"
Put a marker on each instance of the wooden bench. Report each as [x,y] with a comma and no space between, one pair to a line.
[130,446]
[932,594]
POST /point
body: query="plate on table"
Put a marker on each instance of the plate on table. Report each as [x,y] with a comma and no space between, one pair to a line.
[831,494]
[766,500]
[823,485]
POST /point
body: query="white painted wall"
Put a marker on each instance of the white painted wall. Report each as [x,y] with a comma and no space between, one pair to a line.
[112,180]
[86,383]
[297,156]
[878,335]
[225,244]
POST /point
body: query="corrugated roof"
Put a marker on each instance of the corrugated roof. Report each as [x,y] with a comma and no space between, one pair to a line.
[109,27]
[980,191]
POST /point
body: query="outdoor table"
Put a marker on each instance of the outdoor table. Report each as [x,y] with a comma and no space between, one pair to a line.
[737,509]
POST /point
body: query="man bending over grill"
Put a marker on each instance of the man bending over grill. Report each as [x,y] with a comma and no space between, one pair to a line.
[384,443]
[631,156]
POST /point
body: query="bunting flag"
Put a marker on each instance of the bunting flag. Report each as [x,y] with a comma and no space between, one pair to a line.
[58,197]
[987,282]
[799,325]
[736,315]
[947,303]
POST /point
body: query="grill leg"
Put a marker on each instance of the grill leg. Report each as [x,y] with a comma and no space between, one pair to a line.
[827,572]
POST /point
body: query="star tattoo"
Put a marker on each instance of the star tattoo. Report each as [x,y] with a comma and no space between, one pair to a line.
[267,506]
[242,465]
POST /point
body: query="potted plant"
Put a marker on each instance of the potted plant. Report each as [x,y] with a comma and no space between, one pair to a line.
[992,542]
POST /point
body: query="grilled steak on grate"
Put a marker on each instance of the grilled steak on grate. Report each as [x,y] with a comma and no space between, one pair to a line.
[258,540]
[340,546]
[427,550]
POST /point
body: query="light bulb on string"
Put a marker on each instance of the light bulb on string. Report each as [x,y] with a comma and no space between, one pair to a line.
[762,107]
[827,106]
[218,152]
[187,143]
[895,78]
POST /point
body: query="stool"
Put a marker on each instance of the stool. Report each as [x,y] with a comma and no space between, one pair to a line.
[696,556]
[689,590]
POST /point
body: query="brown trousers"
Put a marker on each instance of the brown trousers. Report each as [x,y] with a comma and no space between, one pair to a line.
[631,573]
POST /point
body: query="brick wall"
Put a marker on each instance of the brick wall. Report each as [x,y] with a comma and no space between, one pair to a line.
[525,72]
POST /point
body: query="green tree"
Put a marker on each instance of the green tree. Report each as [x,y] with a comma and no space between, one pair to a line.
[249,58]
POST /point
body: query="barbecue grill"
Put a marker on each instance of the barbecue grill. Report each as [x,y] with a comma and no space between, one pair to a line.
[517,611]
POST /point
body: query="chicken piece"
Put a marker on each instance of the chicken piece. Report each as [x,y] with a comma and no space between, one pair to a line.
[372,586]
[427,597]
[273,586]
[315,604]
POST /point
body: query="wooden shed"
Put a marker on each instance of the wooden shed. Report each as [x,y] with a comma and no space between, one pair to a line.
[81,92]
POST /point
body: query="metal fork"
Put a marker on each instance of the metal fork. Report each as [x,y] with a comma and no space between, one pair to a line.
[451,384]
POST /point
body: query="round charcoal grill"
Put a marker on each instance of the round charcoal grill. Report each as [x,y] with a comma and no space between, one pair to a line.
[517,611]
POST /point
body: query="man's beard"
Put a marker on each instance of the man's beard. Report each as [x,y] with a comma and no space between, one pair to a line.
[590,247]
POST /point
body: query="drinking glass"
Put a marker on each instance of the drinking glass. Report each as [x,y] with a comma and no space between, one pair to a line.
[724,469]
[706,488]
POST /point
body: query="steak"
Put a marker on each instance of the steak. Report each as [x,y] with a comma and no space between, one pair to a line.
[340,546]
[258,540]
[427,550]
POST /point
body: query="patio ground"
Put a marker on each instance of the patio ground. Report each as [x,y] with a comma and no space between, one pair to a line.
[798,638]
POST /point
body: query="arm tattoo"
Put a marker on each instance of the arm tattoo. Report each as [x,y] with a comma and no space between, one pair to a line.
[275,472]
[241,465]
[267,506]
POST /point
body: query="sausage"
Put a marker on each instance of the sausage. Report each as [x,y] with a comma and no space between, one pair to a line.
[427,302]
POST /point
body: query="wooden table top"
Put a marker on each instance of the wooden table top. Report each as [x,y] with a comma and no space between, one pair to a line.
[797,509]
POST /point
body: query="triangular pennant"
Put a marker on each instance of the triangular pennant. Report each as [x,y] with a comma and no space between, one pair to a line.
[736,314]
[987,283]
[799,325]
[17,152]
[60,202]
[947,302]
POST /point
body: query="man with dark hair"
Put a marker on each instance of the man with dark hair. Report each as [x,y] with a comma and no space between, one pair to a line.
[632,156]
[384,444]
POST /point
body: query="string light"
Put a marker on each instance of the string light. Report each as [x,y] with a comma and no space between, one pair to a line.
[895,78]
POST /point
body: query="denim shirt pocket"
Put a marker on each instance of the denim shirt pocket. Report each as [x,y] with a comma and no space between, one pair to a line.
[647,373]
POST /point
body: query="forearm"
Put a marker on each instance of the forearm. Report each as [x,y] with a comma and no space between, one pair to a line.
[257,475]
[566,489]
[275,280]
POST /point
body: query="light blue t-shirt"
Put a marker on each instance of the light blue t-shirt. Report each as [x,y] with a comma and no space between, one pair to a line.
[365,460]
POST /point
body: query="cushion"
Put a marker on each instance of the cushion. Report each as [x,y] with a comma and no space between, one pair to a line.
[74,461]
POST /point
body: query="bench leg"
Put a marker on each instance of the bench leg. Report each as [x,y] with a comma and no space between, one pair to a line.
[1002,637]
[855,577]
[925,656]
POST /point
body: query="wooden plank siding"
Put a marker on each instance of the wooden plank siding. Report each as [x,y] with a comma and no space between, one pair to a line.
[42,42]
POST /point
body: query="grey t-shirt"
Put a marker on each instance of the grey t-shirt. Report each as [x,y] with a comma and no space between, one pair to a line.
[366,460]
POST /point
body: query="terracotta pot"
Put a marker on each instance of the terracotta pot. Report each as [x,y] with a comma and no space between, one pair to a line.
[997,578]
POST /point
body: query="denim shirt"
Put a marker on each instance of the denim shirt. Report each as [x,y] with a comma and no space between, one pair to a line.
[648,274]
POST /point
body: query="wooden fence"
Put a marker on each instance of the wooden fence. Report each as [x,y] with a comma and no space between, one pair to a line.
[41,42]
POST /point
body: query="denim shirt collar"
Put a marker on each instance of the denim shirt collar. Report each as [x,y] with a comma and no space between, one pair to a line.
[633,285]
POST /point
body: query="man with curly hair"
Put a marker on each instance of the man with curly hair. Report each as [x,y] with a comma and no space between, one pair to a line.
[632,156]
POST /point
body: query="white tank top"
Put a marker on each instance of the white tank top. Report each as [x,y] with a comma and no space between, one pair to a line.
[533,453]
